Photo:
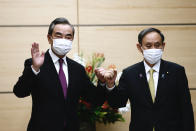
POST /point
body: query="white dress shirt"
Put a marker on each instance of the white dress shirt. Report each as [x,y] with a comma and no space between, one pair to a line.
[57,65]
[156,68]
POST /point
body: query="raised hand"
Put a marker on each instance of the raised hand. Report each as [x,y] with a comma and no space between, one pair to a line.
[37,58]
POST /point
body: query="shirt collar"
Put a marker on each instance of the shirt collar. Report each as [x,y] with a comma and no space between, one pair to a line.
[56,58]
[156,67]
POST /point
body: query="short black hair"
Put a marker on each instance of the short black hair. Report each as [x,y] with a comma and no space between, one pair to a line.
[59,20]
[148,30]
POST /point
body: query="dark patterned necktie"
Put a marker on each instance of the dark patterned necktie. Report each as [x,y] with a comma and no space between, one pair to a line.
[62,78]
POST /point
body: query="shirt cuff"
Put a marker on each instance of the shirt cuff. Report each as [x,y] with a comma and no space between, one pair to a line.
[35,72]
[102,84]
[110,89]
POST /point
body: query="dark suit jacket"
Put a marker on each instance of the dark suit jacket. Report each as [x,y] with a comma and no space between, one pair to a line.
[49,108]
[172,109]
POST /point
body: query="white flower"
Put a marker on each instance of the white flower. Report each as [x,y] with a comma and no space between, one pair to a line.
[124,109]
[79,59]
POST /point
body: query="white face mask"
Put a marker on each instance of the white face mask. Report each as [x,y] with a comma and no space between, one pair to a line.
[152,55]
[61,46]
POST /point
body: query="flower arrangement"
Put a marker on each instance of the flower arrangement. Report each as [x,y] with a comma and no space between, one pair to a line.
[88,113]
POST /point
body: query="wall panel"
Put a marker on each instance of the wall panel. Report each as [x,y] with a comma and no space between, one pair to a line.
[119,46]
[15,48]
[137,11]
[36,12]
[14,112]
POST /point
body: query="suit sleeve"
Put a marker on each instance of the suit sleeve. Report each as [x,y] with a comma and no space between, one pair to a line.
[118,97]
[25,83]
[185,100]
[96,95]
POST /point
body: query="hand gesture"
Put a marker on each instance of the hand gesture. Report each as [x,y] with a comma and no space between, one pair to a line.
[100,74]
[37,58]
[110,77]
[106,76]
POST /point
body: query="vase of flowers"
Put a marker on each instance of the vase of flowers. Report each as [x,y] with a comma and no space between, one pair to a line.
[88,114]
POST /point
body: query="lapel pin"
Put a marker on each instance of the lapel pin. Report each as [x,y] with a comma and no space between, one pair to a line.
[140,75]
[163,76]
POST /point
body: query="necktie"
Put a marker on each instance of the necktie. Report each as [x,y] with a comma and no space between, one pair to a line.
[62,78]
[151,85]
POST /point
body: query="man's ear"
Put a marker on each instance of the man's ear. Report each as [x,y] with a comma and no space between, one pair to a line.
[139,47]
[49,39]
[163,46]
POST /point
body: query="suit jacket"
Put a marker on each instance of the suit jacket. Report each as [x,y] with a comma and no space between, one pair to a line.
[49,108]
[172,109]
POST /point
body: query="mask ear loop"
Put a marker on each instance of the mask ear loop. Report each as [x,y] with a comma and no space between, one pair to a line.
[51,37]
[142,50]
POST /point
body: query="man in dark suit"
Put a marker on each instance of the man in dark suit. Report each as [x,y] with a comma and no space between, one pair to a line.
[56,83]
[157,89]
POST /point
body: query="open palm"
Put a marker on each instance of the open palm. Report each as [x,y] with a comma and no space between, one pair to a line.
[38,59]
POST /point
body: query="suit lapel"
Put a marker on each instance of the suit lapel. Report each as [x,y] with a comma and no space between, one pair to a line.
[161,81]
[50,70]
[73,74]
[144,82]
[70,72]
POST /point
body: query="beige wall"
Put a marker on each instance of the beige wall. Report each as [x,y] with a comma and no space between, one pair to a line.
[107,26]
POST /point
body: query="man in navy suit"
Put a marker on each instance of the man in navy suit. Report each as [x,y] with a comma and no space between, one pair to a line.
[56,82]
[157,89]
